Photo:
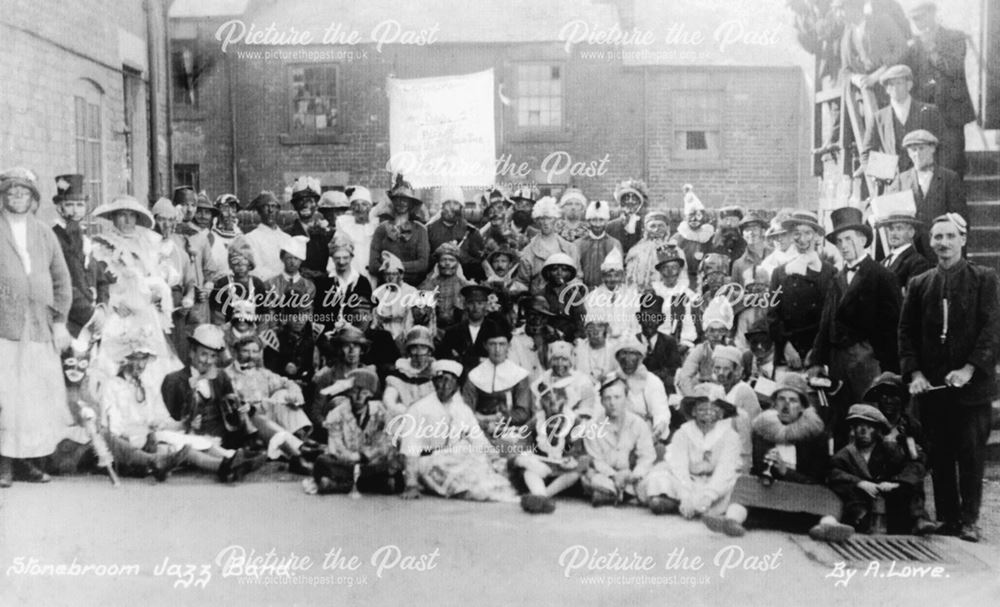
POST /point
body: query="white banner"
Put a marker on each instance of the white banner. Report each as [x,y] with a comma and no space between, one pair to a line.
[441,130]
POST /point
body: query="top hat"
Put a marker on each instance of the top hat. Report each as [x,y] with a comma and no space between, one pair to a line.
[69,187]
[848,218]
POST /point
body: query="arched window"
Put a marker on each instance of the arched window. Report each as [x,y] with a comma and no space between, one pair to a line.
[89,136]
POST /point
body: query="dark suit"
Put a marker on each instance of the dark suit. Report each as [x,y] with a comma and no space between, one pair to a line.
[664,359]
[317,249]
[939,78]
[908,264]
[857,335]
[457,345]
[382,351]
[84,283]
[887,134]
[956,420]
[796,316]
[945,194]
[183,405]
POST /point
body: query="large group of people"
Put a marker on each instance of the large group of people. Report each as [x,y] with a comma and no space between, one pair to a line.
[721,369]
[726,366]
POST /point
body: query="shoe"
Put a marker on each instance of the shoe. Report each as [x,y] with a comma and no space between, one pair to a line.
[603,498]
[247,464]
[832,532]
[167,463]
[310,450]
[298,465]
[952,528]
[662,504]
[925,526]
[970,533]
[6,472]
[722,524]
[31,473]
[225,471]
[537,504]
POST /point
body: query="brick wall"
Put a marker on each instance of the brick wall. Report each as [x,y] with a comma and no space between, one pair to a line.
[51,51]
[765,135]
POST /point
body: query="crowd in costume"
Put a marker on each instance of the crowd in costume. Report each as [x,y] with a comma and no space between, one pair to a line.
[724,367]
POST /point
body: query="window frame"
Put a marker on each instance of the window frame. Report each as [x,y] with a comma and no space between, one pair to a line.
[698,158]
[184,167]
[328,135]
[521,132]
[91,165]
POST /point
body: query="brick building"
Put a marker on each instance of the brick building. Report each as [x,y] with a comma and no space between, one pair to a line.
[738,130]
[84,91]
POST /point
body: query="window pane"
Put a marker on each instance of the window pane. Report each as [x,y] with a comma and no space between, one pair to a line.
[81,116]
[696,140]
[81,156]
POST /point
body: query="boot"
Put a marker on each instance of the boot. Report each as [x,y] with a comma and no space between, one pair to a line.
[661,504]
[6,472]
[225,471]
[164,463]
[31,473]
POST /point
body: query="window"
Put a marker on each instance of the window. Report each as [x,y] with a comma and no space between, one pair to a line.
[88,146]
[314,97]
[539,96]
[130,95]
[697,119]
[187,174]
[185,67]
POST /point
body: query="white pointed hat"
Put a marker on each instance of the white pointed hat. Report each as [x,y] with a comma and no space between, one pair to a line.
[613,261]
[719,311]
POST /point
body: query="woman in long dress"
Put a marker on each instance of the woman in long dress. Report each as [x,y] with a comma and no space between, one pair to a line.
[134,287]
[35,297]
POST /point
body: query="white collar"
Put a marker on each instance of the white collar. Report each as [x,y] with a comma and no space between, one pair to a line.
[492,378]
[902,110]
[898,251]
[703,234]
[854,266]
[291,278]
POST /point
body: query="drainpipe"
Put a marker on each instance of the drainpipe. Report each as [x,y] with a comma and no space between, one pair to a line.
[154,109]
[170,99]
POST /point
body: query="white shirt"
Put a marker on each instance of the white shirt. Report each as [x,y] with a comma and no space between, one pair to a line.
[924,179]
[902,110]
[852,269]
[19,228]
[474,330]
[895,253]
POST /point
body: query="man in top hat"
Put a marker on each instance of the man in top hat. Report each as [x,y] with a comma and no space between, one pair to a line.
[728,239]
[903,115]
[871,469]
[357,226]
[312,225]
[949,339]
[938,60]
[903,259]
[627,228]
[936,190]
[446,281]
[450,226]
[857,336]
[267,239]
[804,281]
[596,244]
[71,202]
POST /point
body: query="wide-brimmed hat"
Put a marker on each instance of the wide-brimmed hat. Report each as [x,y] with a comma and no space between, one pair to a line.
[305,187]
[805,218]
[848,218]
[20,176]
[202,202]
[126,203]
[707,392]
[69,187]
[882,222]
[867,413]
[667,255]
[333,199]
[209,336]
[404,191]
[559,259]
[419,336]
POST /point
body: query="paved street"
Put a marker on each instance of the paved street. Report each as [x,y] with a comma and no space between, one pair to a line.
[482,554]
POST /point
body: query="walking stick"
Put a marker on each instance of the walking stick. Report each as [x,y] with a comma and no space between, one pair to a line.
[104,458]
